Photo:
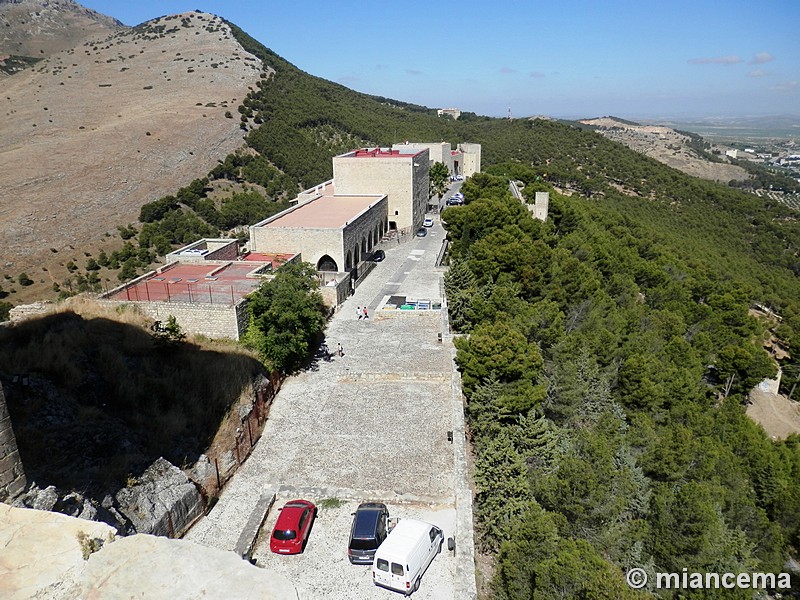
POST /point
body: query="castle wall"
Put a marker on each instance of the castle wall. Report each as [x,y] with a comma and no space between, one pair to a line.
[12,475]
[212,320]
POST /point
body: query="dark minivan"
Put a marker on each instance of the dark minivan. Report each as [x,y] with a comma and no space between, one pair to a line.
[370,528]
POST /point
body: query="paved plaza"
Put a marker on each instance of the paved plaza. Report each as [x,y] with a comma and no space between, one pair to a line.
[371,425]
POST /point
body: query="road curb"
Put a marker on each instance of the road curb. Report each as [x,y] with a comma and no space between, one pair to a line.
[247,539]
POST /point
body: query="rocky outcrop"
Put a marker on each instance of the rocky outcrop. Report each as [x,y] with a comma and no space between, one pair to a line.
[29,311]
[163,501]
[47,555]
[39,547]
[52,499]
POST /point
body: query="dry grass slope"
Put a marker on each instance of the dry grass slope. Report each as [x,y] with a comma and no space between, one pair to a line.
[667,146]
[92,133]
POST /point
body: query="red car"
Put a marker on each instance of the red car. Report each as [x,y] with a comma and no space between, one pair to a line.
[291,529]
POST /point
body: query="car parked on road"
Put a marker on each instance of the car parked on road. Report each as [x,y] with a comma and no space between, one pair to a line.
[370,528]
[428,222]
[422,232]
[290,534]
[378,256]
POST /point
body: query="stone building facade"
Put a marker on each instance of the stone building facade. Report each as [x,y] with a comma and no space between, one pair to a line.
[471,159]
[206,249]
[437,152]
[403,177]
[332,231]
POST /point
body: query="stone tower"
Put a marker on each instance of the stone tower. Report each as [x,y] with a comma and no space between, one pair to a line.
[541,205]
[12,475]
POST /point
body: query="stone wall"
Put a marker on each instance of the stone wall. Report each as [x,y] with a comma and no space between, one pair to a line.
[212,320]
[361,236]
[12,475]
[335,295]
[220,251]
[310,243]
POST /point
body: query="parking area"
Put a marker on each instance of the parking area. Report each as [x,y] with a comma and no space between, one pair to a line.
[323,570]
[376,424]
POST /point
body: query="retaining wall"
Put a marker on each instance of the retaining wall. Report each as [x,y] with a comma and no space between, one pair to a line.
[212,320]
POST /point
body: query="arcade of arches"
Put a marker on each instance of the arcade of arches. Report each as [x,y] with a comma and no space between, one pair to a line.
[357,253]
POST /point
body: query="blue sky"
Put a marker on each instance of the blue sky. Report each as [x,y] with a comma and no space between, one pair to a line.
[573,58]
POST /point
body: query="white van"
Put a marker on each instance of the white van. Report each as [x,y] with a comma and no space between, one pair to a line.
[401,560]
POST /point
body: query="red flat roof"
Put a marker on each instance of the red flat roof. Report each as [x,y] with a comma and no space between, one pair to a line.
[214,283]
[378,153]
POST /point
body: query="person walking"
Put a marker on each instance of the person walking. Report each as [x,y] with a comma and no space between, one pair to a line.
[339,350]
[366,314]
[359,313]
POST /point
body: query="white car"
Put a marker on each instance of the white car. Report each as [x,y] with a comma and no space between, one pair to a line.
[427,222]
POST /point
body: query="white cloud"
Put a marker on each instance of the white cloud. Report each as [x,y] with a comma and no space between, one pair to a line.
[758,73]
[787,86]
[761,58]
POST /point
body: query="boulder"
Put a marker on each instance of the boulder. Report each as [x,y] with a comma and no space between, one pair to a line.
[163,501]
[38,498]
[202,469]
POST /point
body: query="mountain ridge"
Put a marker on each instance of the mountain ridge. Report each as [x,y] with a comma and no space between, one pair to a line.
[119,120]
[35,29]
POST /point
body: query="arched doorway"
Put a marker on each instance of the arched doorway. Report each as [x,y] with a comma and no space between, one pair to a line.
[326,263]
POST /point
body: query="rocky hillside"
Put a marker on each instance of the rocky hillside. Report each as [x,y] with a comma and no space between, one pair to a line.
[92,133]
[34,29]
[666,145]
